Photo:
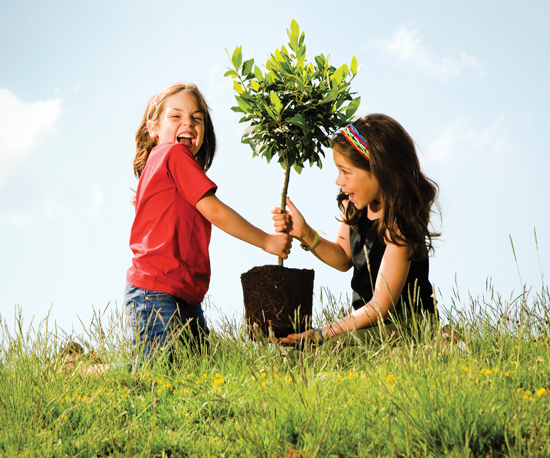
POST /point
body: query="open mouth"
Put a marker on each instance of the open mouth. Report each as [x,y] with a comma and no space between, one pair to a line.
[185,139]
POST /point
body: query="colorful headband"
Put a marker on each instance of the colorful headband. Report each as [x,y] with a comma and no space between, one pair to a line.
[154,103]
[356,140]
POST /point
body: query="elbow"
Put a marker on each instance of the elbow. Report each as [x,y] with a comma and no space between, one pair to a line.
[343,267]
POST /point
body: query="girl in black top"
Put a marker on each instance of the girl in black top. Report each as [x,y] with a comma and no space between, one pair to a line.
[386,203]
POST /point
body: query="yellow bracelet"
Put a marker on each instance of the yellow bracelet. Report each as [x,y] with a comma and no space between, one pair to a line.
[314,244]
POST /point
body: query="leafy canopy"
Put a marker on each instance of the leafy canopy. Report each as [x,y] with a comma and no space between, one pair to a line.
[294,106]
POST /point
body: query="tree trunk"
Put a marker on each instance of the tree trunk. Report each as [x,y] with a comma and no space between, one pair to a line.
[283,196]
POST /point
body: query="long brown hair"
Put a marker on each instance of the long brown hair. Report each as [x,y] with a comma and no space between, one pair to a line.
[145,143]
[407,195]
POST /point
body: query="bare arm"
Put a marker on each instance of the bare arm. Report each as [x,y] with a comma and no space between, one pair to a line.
[387,291]
[336,254]
[229,221]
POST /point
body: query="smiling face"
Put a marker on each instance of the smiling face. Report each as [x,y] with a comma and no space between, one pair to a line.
[361,186]
[181,121]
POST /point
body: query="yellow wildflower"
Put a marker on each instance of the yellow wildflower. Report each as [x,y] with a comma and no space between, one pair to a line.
[391,380]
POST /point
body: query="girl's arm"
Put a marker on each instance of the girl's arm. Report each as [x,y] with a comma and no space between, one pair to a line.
[229,221]
[387,291]
[336,254]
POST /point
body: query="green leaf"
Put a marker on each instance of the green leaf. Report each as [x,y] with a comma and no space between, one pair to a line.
[237,86]
[295,28]
[258,73]
[301,52]
[244,105]
[354,66]
[279,56]
[237,58]
[320,61]
[232,73]
[227,52]
[293,43]
[345,71]
[271,113]
[298,168]
[299,121]
[292,150]
[332,95]
[302,39]
[276,101]
[255,85]
[352,107]
[268,153]
[337,76]
[247,67]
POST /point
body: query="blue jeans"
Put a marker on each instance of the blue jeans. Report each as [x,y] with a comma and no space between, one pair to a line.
[159,319]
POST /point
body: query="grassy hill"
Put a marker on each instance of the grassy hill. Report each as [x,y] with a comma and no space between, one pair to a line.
[480,388]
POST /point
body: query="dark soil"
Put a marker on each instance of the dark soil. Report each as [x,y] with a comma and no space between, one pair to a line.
[276,296]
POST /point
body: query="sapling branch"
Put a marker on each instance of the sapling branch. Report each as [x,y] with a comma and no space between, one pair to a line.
[283,196]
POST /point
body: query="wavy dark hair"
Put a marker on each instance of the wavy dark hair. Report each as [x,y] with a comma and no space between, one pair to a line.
[145,143]
[407,195]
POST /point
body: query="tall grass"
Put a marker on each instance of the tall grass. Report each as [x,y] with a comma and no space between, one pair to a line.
[479,387]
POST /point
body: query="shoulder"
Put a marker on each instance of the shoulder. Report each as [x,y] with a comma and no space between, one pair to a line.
[399,244]
[173,149]
[176,156]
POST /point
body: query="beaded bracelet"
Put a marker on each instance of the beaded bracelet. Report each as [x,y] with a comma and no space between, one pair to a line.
[321,334]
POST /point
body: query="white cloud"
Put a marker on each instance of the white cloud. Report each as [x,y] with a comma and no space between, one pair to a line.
[21,124]
[406,46]
[462,139]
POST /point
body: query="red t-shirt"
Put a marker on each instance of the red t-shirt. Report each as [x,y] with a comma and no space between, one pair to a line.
[170,237]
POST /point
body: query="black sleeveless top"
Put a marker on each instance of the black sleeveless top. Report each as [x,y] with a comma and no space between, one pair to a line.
[362,283]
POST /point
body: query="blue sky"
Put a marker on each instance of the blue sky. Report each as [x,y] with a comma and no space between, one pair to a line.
[468,80]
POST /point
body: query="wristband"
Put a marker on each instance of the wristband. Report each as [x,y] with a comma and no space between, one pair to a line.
[321,334]
[332,332]
[316,242]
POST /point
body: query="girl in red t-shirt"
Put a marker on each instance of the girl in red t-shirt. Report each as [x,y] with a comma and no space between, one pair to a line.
[175,209]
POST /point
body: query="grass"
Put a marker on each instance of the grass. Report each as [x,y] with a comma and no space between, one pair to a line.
[483,395]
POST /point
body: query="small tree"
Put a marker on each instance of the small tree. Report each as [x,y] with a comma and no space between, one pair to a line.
[294,107]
